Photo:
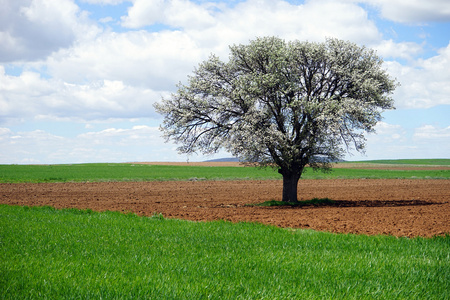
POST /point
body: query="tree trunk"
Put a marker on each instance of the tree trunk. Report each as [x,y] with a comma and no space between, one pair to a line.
[290,183]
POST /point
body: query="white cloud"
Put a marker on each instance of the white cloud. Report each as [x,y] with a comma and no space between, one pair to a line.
[33,29]
[390,141]
[408,11]
[27,147]
[340,19]
[432,141]
[155,60]
[67,68]
[424,84]
[391,130]
[109,2]
[387,134]
[312,21]
[120,75]
[217,26]
[144,13]
[137,136]
[430,132]
[30,96]
[140,142]
[106,20]
[388,49]
[393,141]
[175,13]
[5,133]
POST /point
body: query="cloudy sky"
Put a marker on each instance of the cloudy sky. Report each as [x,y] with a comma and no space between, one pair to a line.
[78,77]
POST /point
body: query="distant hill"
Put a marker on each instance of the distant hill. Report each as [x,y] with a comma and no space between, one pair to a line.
[225,159]
[235,159]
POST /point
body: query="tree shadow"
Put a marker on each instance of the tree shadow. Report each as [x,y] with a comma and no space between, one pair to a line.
[359,203]
[381,203]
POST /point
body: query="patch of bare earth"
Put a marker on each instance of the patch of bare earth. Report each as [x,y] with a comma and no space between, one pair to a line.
[364,206]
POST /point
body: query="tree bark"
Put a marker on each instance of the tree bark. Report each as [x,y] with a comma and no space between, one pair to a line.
[290,185]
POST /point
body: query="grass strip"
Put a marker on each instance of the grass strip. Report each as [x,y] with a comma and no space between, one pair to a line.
[376,174]
[135,172]
[126,172]
[417,162]
[72,254]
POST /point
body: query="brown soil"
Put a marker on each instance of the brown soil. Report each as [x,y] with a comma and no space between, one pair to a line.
[395,207]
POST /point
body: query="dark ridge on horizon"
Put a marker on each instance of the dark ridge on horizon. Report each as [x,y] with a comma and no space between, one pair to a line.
[224,159]
[235,159]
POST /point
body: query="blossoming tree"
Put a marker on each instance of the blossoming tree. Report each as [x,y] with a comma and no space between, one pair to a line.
[283,104]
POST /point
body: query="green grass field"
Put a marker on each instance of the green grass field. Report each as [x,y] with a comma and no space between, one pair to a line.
[419,162]
[80,254]
[136,172]
[76,254]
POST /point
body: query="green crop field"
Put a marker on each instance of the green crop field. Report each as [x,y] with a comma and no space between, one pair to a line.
[79,254]
[136,172]
[419,162]
[47,253]
[126,172]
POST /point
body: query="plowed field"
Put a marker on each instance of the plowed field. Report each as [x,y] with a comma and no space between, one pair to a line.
[365,206]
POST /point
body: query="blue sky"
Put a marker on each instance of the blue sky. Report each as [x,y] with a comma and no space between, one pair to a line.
[78,78]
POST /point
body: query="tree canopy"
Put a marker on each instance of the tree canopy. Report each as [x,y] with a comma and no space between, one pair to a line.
[285,104]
